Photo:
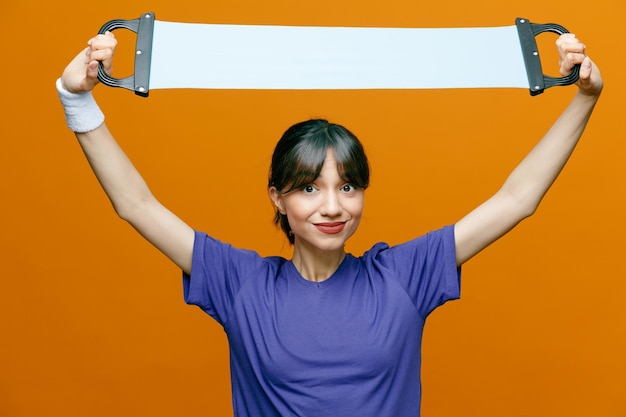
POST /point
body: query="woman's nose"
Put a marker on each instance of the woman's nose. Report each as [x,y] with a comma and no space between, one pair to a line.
[331,205]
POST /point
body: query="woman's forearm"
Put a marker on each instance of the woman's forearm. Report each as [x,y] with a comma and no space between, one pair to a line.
[532,178]
[117,175]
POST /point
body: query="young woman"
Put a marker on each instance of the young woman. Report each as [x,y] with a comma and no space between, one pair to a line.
[325,333]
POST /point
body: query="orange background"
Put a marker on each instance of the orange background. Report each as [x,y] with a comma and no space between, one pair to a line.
[92,317]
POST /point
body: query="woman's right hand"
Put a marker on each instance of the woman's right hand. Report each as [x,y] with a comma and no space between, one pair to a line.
[571,52]
[81,74]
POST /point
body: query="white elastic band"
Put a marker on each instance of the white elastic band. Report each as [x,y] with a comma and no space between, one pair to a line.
[81,110]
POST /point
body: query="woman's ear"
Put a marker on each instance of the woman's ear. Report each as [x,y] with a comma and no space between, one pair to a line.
[277,199]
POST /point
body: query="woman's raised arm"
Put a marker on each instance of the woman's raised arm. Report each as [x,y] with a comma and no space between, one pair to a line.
[524,189]
[131,198]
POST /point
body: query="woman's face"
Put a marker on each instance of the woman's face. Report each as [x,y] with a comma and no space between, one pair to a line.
[325,213]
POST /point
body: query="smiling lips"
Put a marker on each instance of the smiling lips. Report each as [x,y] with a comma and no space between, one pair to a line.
[330,228]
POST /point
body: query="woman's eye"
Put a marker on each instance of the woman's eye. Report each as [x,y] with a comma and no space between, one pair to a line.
[348,188]
[308,189]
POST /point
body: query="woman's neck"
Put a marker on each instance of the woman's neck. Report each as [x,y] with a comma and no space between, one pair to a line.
[316,265]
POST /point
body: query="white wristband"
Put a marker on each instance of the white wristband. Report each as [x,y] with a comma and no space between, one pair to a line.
[81,110]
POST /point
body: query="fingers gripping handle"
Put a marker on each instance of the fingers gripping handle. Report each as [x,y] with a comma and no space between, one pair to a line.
[538,82]
[144,28]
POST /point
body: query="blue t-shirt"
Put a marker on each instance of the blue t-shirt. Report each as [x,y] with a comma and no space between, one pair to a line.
[347,346]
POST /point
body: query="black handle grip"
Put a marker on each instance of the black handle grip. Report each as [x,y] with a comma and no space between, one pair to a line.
[139,82]
[538,82]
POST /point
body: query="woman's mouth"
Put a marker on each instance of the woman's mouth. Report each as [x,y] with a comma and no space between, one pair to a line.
[330,228]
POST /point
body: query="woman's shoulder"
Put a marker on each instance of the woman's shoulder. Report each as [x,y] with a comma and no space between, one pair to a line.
[422,243]
[209,247]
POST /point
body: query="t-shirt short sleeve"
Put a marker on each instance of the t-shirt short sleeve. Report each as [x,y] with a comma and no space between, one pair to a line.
[217,272]
[425,267]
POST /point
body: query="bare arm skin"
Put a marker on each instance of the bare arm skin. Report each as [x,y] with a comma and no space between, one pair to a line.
[526,186]
[131,198]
